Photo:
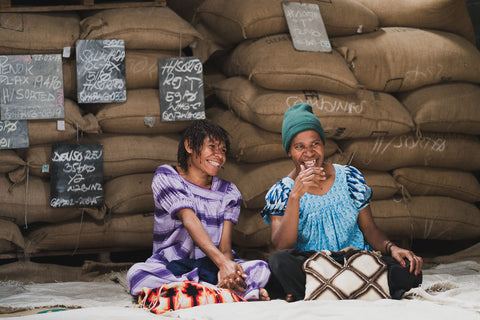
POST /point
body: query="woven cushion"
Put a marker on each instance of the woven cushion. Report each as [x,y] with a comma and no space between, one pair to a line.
[362,276]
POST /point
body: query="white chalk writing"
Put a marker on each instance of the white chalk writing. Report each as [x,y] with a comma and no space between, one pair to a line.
[328,105]
[77,175]
[101,71]
[31,87]
[306,27]
[382,144]
[181,89]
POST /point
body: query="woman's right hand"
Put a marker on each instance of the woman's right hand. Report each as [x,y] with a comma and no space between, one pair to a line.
[231,276]
[307,179]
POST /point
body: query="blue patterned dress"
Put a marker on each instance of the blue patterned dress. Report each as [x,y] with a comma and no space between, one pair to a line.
[329,221]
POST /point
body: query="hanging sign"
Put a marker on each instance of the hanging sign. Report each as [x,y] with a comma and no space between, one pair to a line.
[14,134]
[181,89]
[306,27]
[101,71]
[76,176]
[31,87]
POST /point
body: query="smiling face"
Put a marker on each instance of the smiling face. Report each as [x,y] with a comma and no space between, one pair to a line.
[210,158]
[307,149]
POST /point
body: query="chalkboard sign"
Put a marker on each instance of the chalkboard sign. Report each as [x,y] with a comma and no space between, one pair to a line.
[31,87]
[76,176]
[101,71]
[13,134]
[306,27]
[181,89]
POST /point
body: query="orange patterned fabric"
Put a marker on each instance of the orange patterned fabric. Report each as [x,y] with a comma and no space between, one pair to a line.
[182,295]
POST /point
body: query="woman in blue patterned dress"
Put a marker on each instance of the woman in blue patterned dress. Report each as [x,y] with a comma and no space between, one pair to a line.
[195,212]
[319,206]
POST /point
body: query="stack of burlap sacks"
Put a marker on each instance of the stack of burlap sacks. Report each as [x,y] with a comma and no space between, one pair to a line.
[380,96]
[135,141]
[397,97]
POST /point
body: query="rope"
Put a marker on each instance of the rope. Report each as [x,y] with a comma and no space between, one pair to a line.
[180,44]
[76,123]
[79,233]
[26,198]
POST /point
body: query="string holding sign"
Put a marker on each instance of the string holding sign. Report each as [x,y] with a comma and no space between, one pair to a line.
[306,27]
[181,89]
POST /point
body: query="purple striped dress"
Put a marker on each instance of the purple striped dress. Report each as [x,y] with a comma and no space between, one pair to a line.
[171,241]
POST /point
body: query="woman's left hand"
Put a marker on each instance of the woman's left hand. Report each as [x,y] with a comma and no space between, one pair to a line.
[400,254]
[232,277]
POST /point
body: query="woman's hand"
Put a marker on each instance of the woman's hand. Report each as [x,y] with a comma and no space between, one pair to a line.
[308,179]
[231,276]
[400,254]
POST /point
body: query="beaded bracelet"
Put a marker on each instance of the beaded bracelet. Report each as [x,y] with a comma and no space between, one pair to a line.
[388,247]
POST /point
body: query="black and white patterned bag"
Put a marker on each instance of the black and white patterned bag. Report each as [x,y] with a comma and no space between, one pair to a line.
[346,274]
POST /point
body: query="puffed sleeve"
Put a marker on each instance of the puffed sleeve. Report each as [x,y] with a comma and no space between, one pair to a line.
[233,201]
[360,193]
[170,193]
[276,199]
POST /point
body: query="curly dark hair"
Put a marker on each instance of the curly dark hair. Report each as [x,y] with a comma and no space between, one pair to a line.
[195,134]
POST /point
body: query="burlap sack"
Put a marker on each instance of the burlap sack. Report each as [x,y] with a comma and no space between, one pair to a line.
[251,144]
[248,143]
[142,28]
[38,33]
[141,67]
[185,8]
[46,131]
[251,231]
[237,20]
[26,271]
[129,154]
[420,181]
[130,194]
[69,71]
[37,163]
[359,115]
[9,161]
[212,74]
[29,202]
[451,107]
[402,59]
[254,180]
[11,238]
[140,114]
[446,15]
[436,218]
[460,152]
[382,183]
[126,232]
[273,63]
[36,157]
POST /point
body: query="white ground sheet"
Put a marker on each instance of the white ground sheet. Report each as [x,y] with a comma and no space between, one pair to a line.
[449,291]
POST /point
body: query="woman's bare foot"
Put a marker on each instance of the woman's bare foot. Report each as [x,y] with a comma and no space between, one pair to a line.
[263,294]
[289,298]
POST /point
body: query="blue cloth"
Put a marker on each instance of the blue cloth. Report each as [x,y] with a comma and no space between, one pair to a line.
[207,270]
[329,221]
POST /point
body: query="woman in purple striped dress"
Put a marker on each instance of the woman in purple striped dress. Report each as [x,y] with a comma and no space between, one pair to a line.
[195,212]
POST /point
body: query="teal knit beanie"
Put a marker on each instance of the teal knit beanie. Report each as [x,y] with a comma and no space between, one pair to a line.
[299,118]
